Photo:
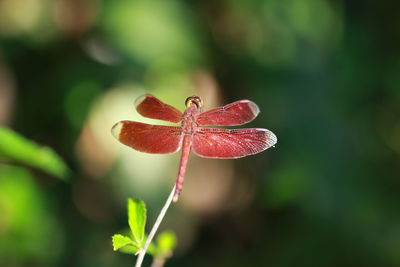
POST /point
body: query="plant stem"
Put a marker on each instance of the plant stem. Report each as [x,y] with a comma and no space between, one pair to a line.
[158,262]
[154,229]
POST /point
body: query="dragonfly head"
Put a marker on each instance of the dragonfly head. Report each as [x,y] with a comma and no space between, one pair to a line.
[194,99]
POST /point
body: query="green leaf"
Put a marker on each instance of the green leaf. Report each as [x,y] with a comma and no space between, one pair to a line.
[17,148]
[120,241]
[133,249]
[166,243]
[129,249]
[137,220]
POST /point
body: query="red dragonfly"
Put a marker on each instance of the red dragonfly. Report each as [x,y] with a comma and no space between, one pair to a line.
[205,142]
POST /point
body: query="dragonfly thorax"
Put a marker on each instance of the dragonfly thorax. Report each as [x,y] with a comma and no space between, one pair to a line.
[189,124]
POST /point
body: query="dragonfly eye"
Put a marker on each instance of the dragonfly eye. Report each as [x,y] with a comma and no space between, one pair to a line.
[194,99]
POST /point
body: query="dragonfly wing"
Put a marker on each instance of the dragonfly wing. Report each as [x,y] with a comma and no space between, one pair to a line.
[231,143]
[151,107]
[236,113]
[148,138]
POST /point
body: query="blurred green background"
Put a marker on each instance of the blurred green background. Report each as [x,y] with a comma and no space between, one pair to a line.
[324,73]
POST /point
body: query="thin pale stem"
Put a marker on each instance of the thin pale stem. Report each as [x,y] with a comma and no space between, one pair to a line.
[153,231]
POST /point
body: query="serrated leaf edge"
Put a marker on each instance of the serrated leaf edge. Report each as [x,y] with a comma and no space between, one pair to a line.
[130,243]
